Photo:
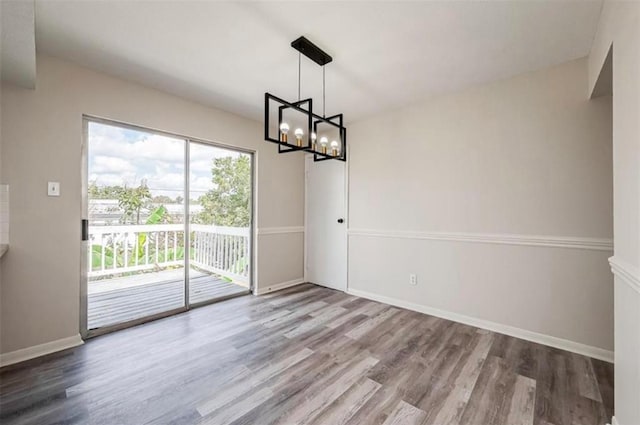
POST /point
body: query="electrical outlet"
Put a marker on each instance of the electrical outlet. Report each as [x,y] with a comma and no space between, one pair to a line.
[413,279]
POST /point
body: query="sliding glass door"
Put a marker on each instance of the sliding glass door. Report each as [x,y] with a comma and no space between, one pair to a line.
[168,224]
[219,222]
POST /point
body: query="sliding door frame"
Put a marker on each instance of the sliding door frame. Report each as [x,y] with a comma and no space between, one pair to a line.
[84,214]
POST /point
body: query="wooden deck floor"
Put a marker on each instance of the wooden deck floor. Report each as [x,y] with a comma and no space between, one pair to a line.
[128,298]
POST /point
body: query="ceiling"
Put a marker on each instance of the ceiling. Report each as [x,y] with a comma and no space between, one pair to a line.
[386,54]
[18,44]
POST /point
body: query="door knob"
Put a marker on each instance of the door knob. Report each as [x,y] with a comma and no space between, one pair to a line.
[341,220]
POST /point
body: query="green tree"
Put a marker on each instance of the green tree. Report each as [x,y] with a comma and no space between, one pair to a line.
[103,192]
[132,201]
[162,199]
[228,203]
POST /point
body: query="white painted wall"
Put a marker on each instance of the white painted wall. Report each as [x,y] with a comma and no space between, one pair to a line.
[619,27]
[460,188]
[41,141]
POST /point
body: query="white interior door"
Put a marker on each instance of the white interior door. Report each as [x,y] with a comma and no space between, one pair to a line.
[326,223]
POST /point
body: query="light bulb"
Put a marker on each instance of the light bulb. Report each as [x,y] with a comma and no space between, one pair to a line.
[284,129]
[299,133]
[334,148]
[323,144]
[313,141]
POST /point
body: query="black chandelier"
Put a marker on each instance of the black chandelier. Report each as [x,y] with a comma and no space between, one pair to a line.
[325,137]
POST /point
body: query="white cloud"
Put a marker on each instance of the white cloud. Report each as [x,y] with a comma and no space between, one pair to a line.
[111,179]
[153,147]
[111,164]
[199,185]
[123,156]
[201,167]
[173,181]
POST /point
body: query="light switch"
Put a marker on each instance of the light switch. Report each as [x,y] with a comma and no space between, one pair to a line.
[53,189]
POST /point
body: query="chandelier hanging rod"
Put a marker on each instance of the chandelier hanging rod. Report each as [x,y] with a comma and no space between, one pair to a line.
[324,102]
[299,75]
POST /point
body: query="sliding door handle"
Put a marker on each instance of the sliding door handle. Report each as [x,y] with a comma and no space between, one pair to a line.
[85,229]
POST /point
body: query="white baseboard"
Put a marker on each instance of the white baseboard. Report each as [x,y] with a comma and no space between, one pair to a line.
[39,350]
[278,286]
[563,344]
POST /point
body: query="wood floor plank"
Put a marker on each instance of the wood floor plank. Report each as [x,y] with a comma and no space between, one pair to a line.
[299,312]
[358,307]
[312,355]
[587,382]
[437,379]
[313,406]
[391,334]
[604,376]
[372,308]
[292,298]
[455,403]
[490,401]
[231,393]
[371,324]
[522,403]
[308,325]
[287,291]
[235,410]
[328,336]
[405,414]
[345,406]
[378,408]
[292,388]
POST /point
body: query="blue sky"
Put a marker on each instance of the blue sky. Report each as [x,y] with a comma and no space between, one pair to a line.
[119,156]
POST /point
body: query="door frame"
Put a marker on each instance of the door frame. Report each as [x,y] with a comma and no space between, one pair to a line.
[86,333]
[307,161]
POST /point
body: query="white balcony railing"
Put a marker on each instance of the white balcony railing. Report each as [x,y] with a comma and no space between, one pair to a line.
[137,248]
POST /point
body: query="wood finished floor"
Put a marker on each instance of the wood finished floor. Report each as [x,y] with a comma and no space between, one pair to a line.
[307,355]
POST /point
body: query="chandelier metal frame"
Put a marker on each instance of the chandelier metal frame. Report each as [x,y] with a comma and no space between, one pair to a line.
[338,149]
